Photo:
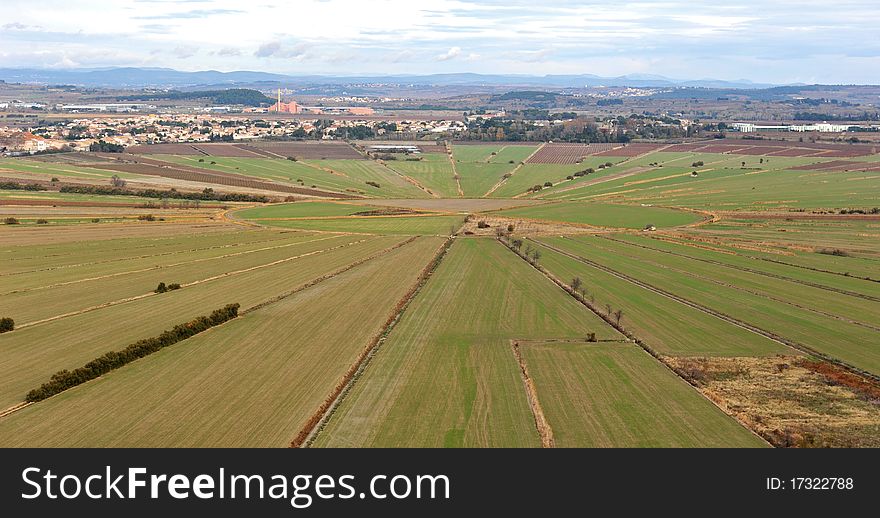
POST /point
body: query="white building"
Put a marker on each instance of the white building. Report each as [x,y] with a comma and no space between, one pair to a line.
[824,127]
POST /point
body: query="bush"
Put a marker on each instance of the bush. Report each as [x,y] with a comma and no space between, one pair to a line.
[510,227]
[6,324]
[548,184]
[569,177]
[10,221]
[371,183]
[42,221]
[96,220]
[173,286]
[63,380]
[482,224]
[147,217]
[161,288]
[292,158]
[54,179]
[697,164]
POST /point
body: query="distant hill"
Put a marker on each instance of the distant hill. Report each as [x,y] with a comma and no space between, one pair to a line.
[239,96]
[167,78]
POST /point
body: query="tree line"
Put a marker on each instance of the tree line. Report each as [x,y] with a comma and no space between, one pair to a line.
[207,195]
[63,380]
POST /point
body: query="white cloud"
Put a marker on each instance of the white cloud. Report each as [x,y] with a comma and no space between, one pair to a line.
[452,53]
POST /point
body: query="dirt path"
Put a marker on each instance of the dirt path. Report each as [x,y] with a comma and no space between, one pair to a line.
[541,423]
[454,169]
[515,169]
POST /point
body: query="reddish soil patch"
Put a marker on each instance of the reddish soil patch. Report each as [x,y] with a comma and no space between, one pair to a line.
[147,166]
[631,150]
[565,153]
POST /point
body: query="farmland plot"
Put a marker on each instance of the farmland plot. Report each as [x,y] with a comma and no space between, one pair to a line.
[825,334]
[251,382]
[29,355]
[608,396]
[446,375]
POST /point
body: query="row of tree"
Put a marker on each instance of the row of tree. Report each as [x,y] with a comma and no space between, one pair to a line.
[207,195]
[63,380]
[15,186]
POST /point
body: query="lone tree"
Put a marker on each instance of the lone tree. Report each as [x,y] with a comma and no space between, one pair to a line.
[608,309]
[6,324]
[117,182]
[535,256]
[576,284]
[517,243]
[618,315]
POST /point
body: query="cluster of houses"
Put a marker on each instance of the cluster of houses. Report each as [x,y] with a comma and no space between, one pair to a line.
[80,133]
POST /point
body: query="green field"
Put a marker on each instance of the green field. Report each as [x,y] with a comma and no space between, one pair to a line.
[825,332]
[446,375]
[604,215]
[606,396]
[305,209]
[433,171]
[412,225]
[334,175]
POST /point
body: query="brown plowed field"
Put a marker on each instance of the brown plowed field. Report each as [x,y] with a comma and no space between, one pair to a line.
[147,166]
[631,150]
[564,153]
[299,149]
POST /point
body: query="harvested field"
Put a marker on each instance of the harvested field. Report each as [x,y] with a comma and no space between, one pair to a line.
[193,174]
[604,395]
[32,354]
[255,149]
[234,385]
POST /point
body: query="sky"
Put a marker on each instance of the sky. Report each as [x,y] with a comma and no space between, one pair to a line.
[774,41]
